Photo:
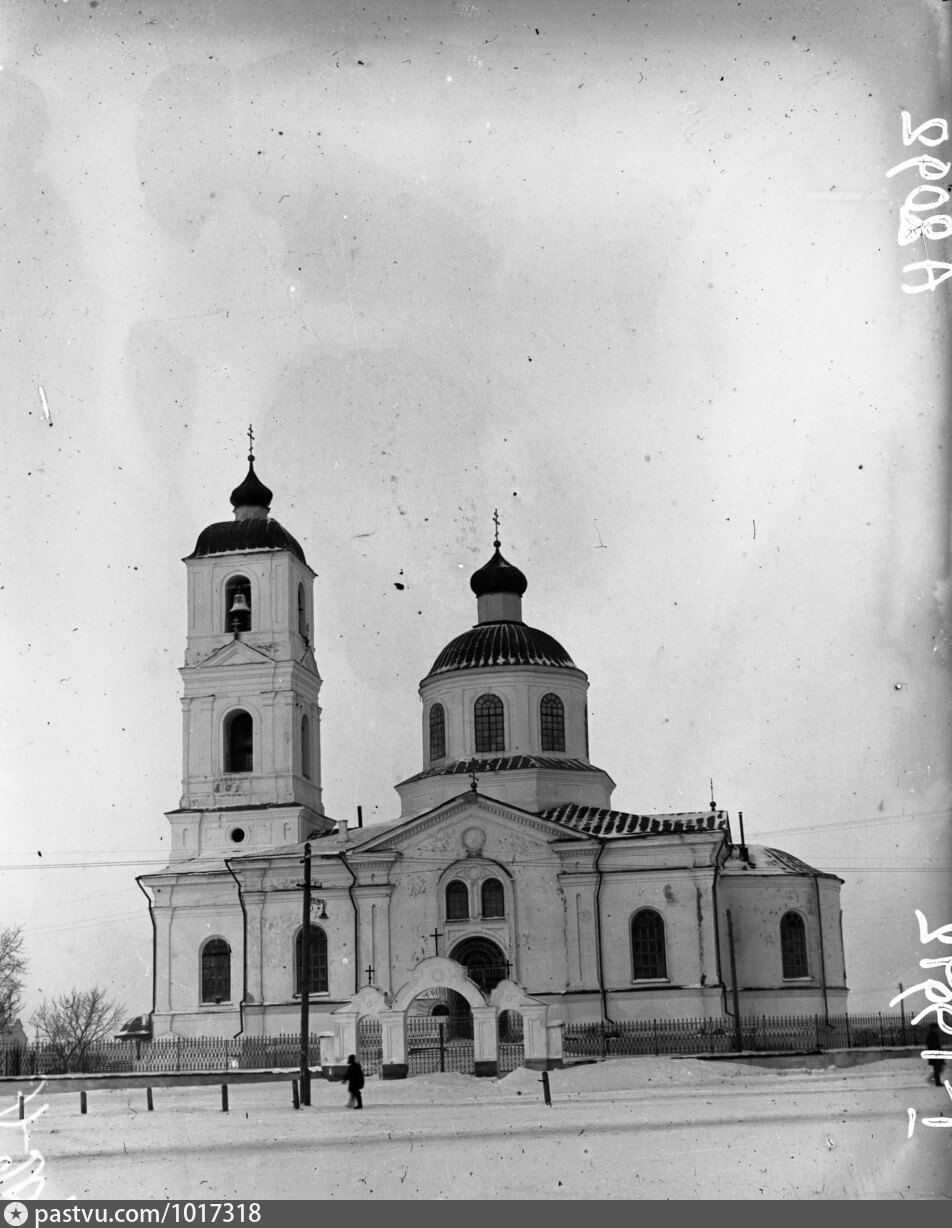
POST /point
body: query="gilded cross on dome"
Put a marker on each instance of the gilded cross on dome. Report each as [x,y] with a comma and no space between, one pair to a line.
[496,543]
[251,443]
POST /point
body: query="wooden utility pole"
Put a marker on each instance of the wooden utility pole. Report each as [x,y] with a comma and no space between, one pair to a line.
[738,1035]
[306,980]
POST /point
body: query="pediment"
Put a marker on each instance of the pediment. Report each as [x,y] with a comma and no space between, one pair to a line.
[237,653]
[470,825]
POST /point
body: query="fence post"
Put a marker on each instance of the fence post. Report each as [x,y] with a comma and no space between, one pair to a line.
[442,1048]
[178,1053]
[546,1092]
[82,1102]
[882,1034]
[816,1025]
[902,1014]
[295,1096]
[224,1097]
[849,1038]
[654,1034]
[148,1099]
[20,1103]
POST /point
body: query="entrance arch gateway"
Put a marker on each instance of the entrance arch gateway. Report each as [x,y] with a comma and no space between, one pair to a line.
[542,1040]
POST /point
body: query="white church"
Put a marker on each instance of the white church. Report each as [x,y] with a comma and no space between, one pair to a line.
[507,882]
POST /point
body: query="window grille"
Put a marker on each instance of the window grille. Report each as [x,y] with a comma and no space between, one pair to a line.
[648,962]
[489,724]
[239,742]
[318,977]
[216,971]
[494,898]
[457,901]
[793,946]
[483,960]
[437,732]
[552,716]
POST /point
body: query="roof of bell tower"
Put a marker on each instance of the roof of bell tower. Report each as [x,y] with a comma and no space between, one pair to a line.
[252,529]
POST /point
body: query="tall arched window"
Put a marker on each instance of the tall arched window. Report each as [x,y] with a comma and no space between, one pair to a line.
[457,901]
[216,971]
[317,981]
[437,732]
[302,612]
[552,719]
[493,898]
[239,742]
[237,612]
[305,747]
[793,946]
[490,724]
[648,962]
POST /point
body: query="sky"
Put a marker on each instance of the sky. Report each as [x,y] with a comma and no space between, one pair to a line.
[627,272]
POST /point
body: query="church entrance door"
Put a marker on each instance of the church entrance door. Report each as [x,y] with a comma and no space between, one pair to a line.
[439,1033]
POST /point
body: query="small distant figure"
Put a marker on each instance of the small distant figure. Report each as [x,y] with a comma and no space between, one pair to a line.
[934,1041]
[354,1078]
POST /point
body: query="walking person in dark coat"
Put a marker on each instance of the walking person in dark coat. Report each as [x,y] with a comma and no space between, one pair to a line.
[354,1078]
[934,1041]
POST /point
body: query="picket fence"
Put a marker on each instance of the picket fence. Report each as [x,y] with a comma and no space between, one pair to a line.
[756,1033]
[176,1053]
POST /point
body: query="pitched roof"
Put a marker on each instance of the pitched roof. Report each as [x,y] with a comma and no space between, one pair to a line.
[506,763]
[763,860]
[607,824]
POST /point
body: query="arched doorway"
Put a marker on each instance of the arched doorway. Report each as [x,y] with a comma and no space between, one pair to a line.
[485,962]
[439,1032]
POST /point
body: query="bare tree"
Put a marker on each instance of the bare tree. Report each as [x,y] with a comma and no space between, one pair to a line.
[12,972]
[76,1021]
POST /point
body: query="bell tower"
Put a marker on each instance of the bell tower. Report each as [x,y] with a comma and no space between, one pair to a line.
[251,717]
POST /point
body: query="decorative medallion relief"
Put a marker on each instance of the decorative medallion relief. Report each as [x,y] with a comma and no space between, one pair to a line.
[473,840]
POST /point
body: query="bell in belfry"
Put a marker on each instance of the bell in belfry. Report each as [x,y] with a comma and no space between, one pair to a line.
[240,606]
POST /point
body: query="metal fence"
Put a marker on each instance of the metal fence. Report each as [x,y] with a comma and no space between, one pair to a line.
[756,1033]
[175,1053]
[440,1043]
[370,1044]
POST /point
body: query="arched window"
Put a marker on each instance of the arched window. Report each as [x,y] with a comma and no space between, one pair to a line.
[494,899]
[437,732]
[457,901]
[237,604]
[239,742]
[216,971]
[483,960]
[302,612]
[305,747]
[648,961]
[317,981]
[552,719]
[490,724]
[793,946]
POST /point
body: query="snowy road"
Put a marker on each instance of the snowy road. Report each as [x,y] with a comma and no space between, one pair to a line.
[633,1128]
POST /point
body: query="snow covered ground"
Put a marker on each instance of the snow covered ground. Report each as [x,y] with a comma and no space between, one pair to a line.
[627,1128]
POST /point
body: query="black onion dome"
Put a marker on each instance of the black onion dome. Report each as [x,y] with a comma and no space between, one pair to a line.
[498,576]
[252,492]
[255,533]
[502,643]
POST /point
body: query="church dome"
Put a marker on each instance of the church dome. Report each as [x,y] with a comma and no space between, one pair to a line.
[501,644]
[252,492]
[498,576]
[252,528]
